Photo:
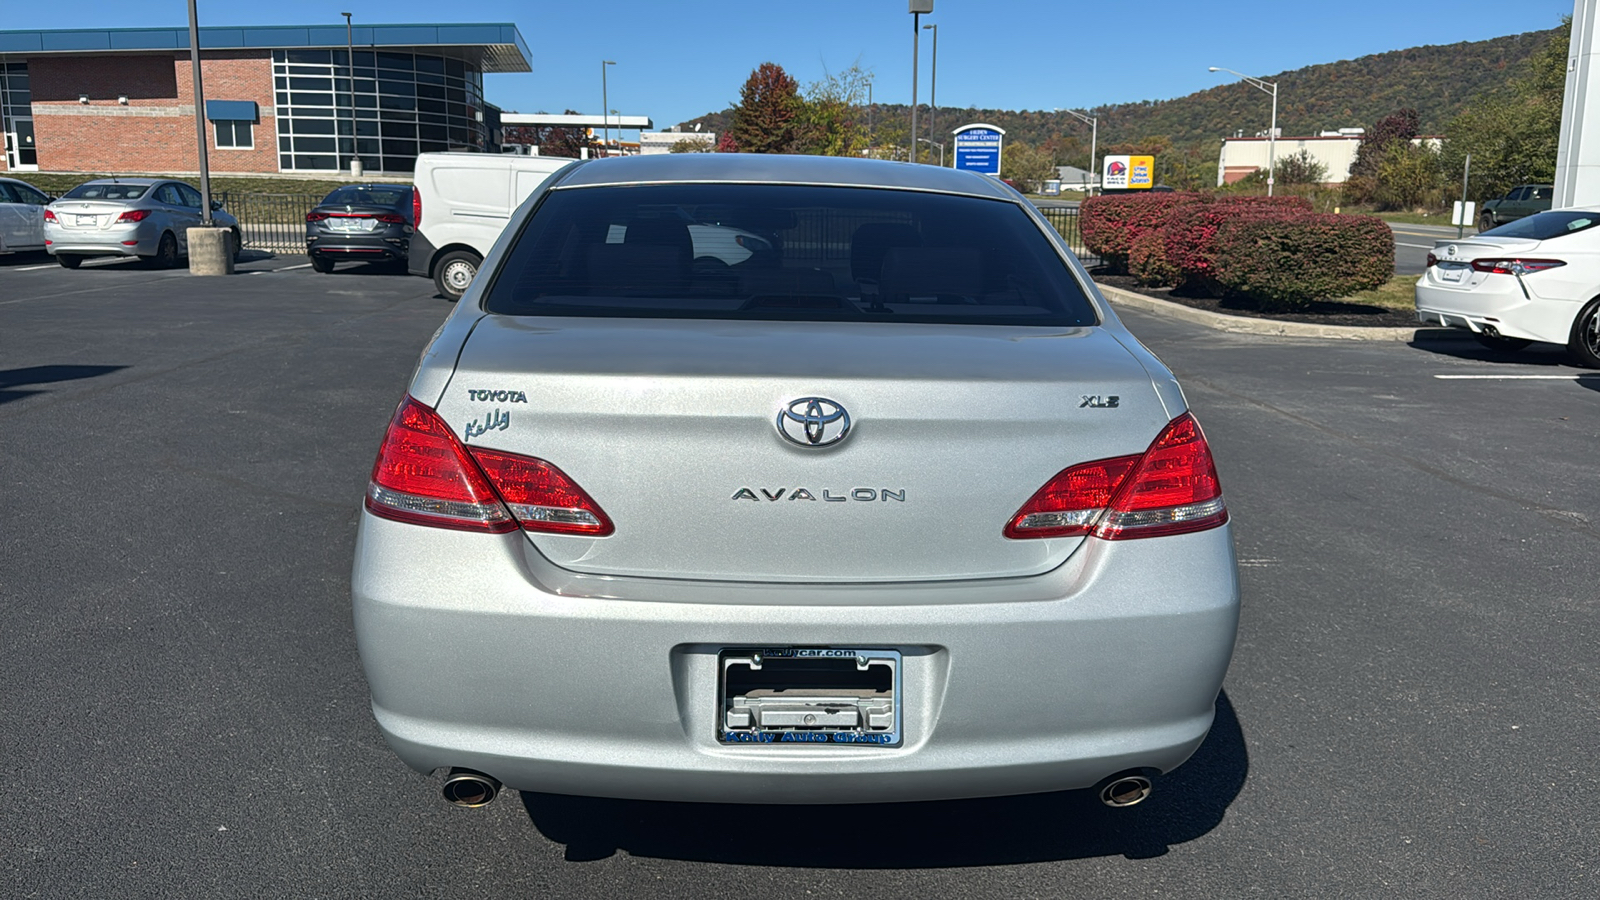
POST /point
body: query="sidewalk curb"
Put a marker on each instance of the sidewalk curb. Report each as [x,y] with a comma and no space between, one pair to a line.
[1271,327]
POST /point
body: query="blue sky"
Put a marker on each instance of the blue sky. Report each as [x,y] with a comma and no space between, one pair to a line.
[677,60]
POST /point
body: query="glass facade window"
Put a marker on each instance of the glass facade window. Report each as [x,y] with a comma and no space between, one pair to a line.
[16,116]
[232,135]
[404,104]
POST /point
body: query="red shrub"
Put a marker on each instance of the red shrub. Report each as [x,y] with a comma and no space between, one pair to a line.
[1190,230]
[1295,258]
[1147,261]
[1110,224]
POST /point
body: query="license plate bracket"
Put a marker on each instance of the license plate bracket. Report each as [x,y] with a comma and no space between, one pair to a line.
[813,696]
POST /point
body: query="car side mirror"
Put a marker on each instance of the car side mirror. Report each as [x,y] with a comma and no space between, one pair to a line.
[216,206]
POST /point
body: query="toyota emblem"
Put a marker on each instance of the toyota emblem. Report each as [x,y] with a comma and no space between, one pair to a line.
[813,422]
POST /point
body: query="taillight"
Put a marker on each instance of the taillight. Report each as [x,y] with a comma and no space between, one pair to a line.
[416,206]
[49,215]
[1432,260]
[1171,488]
[1515,266]
[541,496]
[425,476]
[315,216]
[392,219]
[134,215]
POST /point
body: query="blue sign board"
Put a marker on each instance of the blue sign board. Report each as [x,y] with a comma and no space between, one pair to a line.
[978,148]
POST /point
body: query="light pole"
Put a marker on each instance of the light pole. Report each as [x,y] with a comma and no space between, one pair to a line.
[1270,87]
[1094,141]
[939,144]
[872,135]
[356,167]
[918,7]
[200,115]
[933,90]
[605,103]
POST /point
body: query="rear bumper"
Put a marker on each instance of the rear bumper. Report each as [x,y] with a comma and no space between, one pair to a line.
[421,256]
[356,248]
[1497,305]
[109,242]
[473,662]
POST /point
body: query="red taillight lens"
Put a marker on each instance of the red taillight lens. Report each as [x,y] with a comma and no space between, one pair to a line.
[1515,266]
[1172,488]
[416,206]
[315,216]
[49,215]
[541,496]
[1072,502]
[392,219]
[134,215]
[1432,260]
[424,476]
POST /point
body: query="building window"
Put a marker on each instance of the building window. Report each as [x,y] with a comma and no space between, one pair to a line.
[235,135]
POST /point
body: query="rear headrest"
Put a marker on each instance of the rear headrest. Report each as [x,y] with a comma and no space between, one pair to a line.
[657,232]
[871,241]
[931,272]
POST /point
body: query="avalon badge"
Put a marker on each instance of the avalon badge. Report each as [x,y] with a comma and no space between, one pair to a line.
[813,422]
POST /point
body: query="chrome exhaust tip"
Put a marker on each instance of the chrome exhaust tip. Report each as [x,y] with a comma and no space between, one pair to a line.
[469,789]
[1126,790]
[1490,330]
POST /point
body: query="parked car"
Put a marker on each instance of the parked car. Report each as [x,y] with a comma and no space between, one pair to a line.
[902,513]
[361,223]
[1522,200]
[461,203]
[1535,279]
[21,216]
[148,218]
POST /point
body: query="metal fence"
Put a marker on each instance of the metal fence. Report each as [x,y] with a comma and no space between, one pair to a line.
[1065,220]
[272,222]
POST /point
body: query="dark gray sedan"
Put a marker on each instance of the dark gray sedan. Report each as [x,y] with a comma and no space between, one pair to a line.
[360,223]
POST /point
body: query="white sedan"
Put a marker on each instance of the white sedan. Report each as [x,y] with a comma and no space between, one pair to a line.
[21,216]
[1535,279]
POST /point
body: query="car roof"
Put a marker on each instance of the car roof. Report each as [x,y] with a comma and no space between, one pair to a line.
[144,181]
[762,168]
[368,187]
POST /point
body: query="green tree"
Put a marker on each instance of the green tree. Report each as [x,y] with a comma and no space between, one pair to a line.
[834,114]
[1512,133]
[1300,168]
[690,145]
[770,114]
[1026,165]
[1409,178]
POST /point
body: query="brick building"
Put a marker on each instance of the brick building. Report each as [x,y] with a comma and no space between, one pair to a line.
[277,99]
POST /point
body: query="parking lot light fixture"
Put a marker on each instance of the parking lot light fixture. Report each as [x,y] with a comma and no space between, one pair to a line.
[1270,87]
[605,103]
[933,90]
[1094,140]
[356,167]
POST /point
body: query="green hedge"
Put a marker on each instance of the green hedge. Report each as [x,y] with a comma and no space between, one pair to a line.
[1290,260]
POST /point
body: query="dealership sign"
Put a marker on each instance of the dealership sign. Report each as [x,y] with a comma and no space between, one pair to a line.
[978,148]
[1128,172]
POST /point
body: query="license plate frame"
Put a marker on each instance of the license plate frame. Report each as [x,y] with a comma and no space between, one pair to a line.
[1453,274]
[88,221]
[825,681]
[352,226]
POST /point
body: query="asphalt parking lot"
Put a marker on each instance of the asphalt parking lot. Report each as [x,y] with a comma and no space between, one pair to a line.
[1412,709]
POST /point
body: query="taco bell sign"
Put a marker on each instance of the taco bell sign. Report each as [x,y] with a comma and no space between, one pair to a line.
[978,148]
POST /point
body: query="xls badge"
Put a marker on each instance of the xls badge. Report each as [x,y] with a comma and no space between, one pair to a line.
[1097,401]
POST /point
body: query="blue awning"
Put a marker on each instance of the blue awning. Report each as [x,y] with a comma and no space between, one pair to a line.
[231,110]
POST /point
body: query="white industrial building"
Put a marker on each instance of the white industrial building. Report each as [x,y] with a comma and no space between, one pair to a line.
[1335,150]
[661,141]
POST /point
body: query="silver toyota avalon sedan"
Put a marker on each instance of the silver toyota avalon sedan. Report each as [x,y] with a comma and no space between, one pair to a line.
[892,509]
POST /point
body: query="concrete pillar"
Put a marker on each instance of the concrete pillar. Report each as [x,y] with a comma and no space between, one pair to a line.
[1578,153]
[210,251]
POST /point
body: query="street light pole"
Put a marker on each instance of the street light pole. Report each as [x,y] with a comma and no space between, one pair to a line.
[200,115]
[1270,87]
[350,48]
[938,144]
[605,103]
[872,134]
[933,90]
[916,50]
[1094,139]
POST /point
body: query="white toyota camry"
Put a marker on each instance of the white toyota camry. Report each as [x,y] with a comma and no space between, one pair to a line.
[1535,279]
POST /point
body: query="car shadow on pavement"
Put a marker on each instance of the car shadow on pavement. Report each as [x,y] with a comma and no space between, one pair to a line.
[1532,355]
[1187,804]
[24,258]
[13,378]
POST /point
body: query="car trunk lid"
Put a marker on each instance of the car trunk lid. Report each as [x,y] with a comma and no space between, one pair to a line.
[672,426]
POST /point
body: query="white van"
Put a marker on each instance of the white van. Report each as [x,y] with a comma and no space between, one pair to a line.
[462,203]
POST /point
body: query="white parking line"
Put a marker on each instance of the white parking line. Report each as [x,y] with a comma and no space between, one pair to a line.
[1573,377]
[291,268]
[37,268]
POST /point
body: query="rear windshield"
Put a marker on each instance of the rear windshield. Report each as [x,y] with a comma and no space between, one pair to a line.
[726,251]
[1546,225]
[368,196]
[107,192]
